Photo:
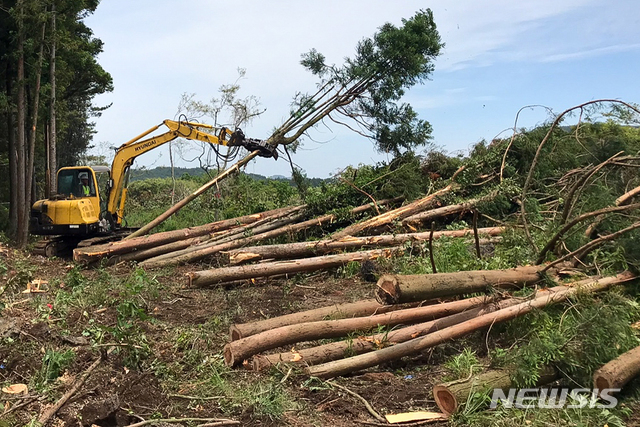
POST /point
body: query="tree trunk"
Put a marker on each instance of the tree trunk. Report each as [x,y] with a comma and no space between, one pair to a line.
[543,298]
[448,396]
[338,350]
[395,289]
[221,275]
[239,350]
[207,249]
[422,217]
[194,254]
[22,226]
[321,247]
[53,161]
[182,203]
[396,214]
[30,181]
[618,372]
[94,253]
[13,160]
[336,311]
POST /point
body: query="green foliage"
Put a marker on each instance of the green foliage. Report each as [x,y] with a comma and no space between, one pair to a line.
[463,365]
[577,340]
[384,66]
[54,363]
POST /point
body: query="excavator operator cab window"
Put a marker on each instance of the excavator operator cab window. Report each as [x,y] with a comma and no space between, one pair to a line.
[76,182]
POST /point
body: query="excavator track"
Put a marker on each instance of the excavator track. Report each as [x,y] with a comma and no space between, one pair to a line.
[60,246]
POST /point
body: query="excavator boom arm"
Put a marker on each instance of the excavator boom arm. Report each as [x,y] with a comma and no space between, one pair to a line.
[127,152]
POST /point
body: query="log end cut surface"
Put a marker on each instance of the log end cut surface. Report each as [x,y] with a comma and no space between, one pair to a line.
[445,400]
[387,290]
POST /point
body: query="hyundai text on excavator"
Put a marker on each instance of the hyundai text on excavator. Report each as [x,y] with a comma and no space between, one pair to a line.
[79,215]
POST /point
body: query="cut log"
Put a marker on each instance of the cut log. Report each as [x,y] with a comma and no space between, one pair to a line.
[221,275]
[93,253]
[240,350]
[321,247]
[431,214]
[397,214]
[617,373]
[197,253]
[449,395]
[395,289]
[336,311]
[543,298]
[338,350]
[209,248]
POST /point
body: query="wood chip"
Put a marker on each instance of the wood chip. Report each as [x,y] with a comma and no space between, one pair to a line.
[414,416]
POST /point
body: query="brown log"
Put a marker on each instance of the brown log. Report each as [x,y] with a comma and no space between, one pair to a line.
[336,311]
[543,298]
[209,248]
[194,254]
[321,247]
[394,215]
[431,214]
[395,289]
[617,373]
[626,197]
[237,351]
[338,350]
[92,253]
[182,203]
[221,275]
[448,396]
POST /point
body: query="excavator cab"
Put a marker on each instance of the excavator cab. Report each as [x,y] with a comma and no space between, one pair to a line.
[74,209]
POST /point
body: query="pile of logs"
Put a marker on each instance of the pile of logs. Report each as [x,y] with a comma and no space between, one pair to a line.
[239,241]
[413,320]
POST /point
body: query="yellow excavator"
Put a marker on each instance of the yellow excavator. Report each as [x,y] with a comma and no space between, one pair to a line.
[80,215]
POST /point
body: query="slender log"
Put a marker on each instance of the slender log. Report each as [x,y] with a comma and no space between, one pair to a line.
[195,254]
[182,203]
[626,197]
[396,214]
[554,240]
[395,289]
[543,298]
[617,373]
[338,350]
[206,249]
[221,275]
[336,311]
[321,247]
[237,351]
[92,253]
[431,214]
[448,396]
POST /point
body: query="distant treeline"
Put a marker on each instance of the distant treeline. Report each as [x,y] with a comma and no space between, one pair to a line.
[165,172]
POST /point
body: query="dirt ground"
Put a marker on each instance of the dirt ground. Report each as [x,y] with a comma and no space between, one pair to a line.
[114,395]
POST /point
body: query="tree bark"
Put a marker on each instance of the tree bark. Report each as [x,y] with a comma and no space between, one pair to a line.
[364,344]
[53,153]
[240,350]
[393,215]
[207,249]
[321,247]
[227,274]
[93,253]
[431,214]
[449,395]
[336,311]
[618,372]
[194,254]
[543,298]
[395,289]
[182,203]
[626,197]
[22,209]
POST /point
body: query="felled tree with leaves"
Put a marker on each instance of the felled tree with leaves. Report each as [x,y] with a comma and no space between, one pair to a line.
[363,94]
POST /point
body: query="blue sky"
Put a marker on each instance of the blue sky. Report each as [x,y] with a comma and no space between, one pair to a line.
[499,56]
